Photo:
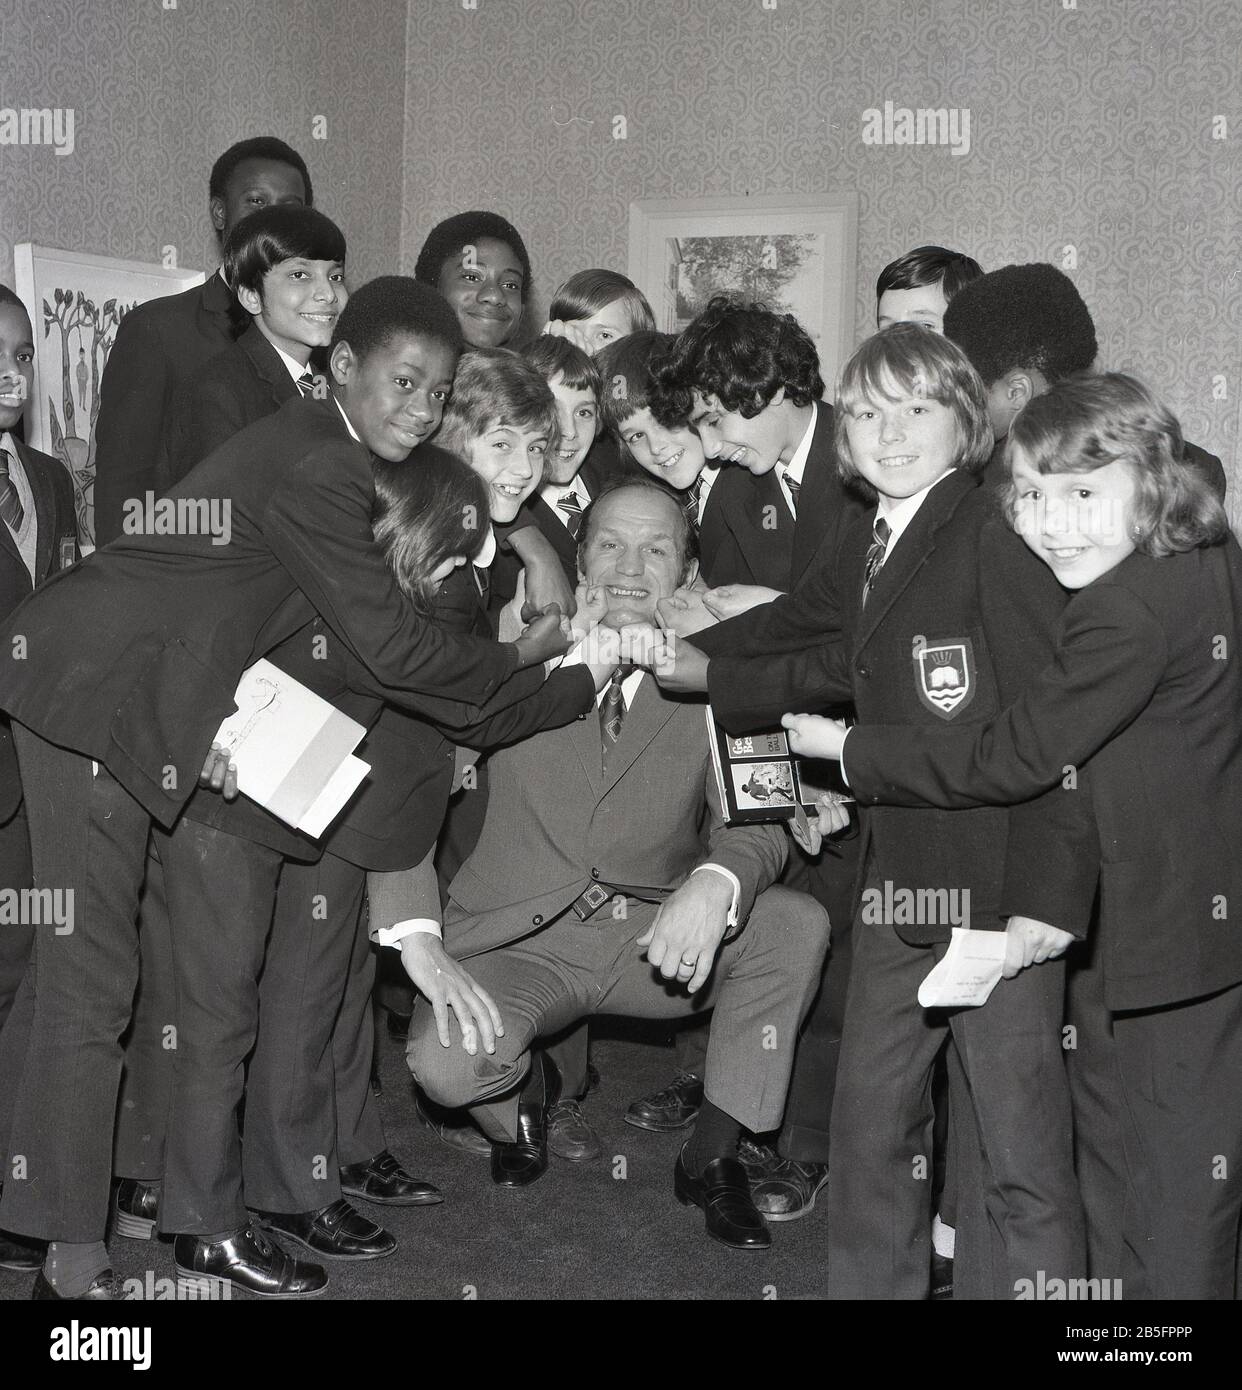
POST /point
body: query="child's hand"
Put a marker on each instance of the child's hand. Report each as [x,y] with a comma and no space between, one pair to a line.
[571,329]
[678,666]
[546,585]
[1028,942]
[685,613]
[813,737]
[550,635]
[591,605]
[219,773]
[731,599]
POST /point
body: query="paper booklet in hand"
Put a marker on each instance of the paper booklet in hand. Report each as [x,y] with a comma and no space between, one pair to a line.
[758,778]
[294,751]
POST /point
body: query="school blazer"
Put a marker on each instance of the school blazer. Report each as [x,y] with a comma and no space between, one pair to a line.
[133,656]
[556,823]
[959,595]
[1145,691]
[159,345]
[747,535]
[56,548]
[240,385]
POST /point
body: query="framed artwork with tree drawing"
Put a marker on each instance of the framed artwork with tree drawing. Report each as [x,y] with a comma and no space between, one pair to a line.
[76,303]
[794,252]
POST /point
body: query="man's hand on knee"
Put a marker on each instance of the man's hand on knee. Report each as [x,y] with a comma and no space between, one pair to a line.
[446,986]
[688,928]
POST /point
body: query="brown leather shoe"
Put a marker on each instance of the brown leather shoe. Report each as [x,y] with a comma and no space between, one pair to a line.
[570,1134]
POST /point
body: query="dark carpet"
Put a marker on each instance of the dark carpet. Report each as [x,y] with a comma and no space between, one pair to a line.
[610,1228]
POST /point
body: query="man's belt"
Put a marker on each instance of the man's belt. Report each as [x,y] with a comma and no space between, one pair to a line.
[588,903]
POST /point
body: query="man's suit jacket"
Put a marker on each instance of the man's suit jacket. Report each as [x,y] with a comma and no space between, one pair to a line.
[134,655]
[1146,673]
[961,583]
[159,345]
[56,548]
[556,823]
[747,535]
[240,385]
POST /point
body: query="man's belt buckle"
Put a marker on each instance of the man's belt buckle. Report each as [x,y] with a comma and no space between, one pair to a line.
[591,901]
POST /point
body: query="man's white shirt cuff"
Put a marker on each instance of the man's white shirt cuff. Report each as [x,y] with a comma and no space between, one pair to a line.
[394,935]
[734,883]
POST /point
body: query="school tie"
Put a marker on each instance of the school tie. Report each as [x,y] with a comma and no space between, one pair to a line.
[306,382]
[795,487]
[691,505]
[875,555]
[482,582]
[571,505]
[10,502]
[612,713]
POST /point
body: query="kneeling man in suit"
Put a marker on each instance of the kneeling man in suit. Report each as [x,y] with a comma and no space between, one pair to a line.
[606,882]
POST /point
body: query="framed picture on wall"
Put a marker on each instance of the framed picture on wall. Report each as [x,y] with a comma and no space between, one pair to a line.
[794,252]
[76,302]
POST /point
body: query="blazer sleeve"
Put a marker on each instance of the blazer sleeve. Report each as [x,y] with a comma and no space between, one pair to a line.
[204,415]
[128,432]
[1110,660]
[318,525]
[560,700]
[754,853]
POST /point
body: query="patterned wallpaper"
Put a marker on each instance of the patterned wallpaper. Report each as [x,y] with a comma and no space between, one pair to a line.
[1092,127]
[159,88]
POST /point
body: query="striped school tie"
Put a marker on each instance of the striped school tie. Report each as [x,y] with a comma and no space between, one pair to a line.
[10,502]
[691,505]
[795,487]
[571,504]
[875,555]
[306,383]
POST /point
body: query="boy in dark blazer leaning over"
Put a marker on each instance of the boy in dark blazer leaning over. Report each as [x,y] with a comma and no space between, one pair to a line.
[161,344]
[748,381]
[38,538]
[131,662]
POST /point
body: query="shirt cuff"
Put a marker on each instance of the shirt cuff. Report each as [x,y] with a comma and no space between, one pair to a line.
[734,883]
[845,777]
[394,935]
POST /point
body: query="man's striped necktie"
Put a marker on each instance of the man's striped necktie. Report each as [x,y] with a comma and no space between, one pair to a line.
[880,532]
[10,502]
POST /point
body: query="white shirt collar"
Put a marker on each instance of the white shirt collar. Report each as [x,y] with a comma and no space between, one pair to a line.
[345,417]
[295,369]
[629,688]
[553,492]
[899,515]
[484,558]
[797,464]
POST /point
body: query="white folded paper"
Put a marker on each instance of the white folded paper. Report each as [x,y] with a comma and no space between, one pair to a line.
[968,971]
[293,750]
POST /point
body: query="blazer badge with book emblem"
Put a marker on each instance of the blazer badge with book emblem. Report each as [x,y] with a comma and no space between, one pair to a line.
[944,676]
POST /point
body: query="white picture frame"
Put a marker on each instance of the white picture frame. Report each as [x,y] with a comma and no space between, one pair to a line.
[798,253]
[76,302]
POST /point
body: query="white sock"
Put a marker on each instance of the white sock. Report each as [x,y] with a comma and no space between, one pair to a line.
[944,1238]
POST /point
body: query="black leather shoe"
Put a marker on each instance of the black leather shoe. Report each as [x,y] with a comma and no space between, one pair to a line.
[452,1127]
[672,1108]
[570,1134]
[104,1288]
[383,1180]
[135,1208]
[16,1252]
[338,1231]
[526,1159]
[247,1260]
[723,1195]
